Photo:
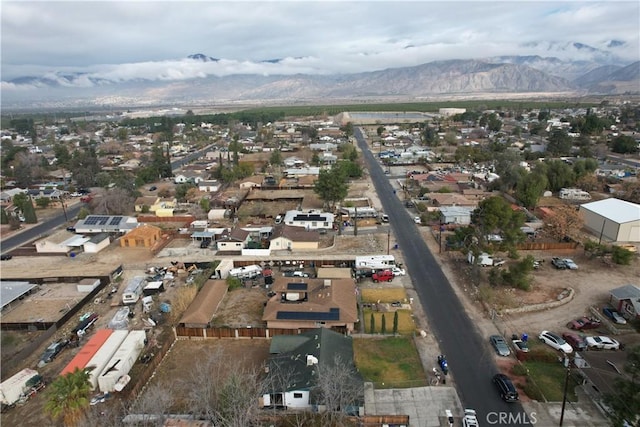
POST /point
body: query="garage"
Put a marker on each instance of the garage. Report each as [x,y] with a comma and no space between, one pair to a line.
[612,220]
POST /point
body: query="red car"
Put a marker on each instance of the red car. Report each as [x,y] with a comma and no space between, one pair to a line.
[583,323]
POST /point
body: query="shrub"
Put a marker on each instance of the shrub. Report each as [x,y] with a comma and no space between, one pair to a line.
[621,256]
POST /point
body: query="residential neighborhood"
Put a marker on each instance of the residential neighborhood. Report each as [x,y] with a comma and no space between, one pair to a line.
[321,266]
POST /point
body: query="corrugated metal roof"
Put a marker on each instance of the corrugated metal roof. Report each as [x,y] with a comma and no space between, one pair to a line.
[616,210]
[11,291]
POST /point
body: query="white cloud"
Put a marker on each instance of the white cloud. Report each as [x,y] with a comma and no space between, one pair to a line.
[122,40]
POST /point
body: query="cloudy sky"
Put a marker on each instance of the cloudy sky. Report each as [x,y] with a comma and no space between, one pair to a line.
[120,40]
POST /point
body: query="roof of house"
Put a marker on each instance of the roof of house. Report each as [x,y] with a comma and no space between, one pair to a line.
[616,210]
[97,238]
[626,292]
[146,200]
[331,300]
[334,273]
[295,234]
[289,354]
[204,306]
[452,199]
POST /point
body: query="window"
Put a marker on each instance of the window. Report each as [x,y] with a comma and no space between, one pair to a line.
[297,395]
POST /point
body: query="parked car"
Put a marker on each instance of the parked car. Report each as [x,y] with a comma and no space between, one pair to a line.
[603,343]
[584,323]
[558,263]
[568,262]
[500,345]
[470,419]
[205,244]
[614,315]
[417,220]
[555,341]
[397,271]
[382,276]
[578,342]
[52,351]
[153,188]
[507,390]
[5,257]
[295,274]
[519,344]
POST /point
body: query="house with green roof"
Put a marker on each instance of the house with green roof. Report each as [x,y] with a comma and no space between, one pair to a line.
[313,370]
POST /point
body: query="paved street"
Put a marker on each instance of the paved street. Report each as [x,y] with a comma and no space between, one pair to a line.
[471,366]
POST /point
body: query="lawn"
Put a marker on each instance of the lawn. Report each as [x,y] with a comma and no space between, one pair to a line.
[373,295]
[391,362]
[547,378]
[406,324]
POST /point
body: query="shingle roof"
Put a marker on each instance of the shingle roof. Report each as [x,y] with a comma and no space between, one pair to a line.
[295,234]
[204,306]
[323,344]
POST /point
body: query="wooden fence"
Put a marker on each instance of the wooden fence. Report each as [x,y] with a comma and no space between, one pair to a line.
[545,246]
[183,332]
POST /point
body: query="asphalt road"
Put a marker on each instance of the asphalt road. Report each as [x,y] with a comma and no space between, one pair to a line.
[40,229]
[470,358]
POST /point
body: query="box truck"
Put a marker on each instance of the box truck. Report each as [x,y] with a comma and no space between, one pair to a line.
[18,386]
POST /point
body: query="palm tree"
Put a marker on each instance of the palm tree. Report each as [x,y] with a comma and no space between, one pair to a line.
[68,397]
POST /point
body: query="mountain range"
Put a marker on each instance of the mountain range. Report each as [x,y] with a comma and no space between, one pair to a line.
[503,75]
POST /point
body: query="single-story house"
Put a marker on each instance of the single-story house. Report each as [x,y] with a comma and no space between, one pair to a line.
[455,215]
[209,186]
[97,242]
[626,300]
[612,219]
[204,306]
[148,201]
[254,181]
[234,240]
[311,220]
[297,361]
[106,224]
[287,237]
[62,242]
[49,193]
[144,236]
[452,199]
[312,303]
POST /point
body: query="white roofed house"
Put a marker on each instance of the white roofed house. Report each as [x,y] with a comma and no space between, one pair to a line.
[116,224]
[311,220]
[97,242]
[62,242]
[612,220]
[210,186]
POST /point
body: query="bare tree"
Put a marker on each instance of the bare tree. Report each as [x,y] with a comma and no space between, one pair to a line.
[154,404]
[565,222]
[113,202]
[338,387]
[221,390]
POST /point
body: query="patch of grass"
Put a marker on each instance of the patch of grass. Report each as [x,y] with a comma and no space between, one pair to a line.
[548,379]
[496,296]
[389,362]
[383,295]
[406,324]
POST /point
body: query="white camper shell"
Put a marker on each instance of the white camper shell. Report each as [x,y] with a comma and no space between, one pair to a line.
[133,291]
[122,361]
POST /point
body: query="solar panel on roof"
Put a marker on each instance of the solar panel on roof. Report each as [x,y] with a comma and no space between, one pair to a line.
[91,220]
[332,314]
[115,220]
[309,217]
[103,220]
[297,286]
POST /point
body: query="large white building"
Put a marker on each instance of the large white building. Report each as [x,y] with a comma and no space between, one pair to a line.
[612,220]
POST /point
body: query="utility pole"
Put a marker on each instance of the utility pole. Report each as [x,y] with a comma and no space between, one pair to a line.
[388,241]
[567,364]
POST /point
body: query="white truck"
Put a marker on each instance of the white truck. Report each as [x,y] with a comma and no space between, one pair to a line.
[247,272]
[18,386]
[484,260]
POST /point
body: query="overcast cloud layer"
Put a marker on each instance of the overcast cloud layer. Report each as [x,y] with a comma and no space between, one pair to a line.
[122,40]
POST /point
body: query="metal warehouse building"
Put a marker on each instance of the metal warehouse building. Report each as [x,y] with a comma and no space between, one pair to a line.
[612,220]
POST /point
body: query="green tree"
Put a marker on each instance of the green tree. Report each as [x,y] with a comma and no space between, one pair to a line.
[68,397]
[315,159]
[559,143]
[276,158]
[347,129]
[373,324]
[380,130]
[331,186]
[4,218]
[205,204]
[383,327]
[43,202]
[621,256]
[62,155]
[395,323]
[530,188]
[495,215]
[624,144]
[624,400]
[559,174]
